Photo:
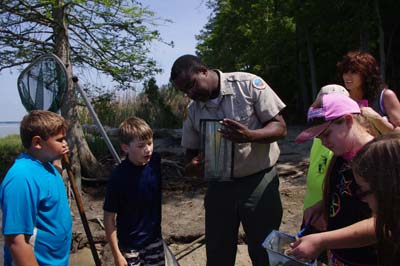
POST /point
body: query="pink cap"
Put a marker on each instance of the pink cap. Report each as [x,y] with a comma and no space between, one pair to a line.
[329,107]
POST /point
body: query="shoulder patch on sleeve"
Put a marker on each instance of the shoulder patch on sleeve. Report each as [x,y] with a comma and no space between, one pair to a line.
[259,83]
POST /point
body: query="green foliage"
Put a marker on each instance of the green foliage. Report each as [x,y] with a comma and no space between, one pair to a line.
[110,109]
[256,36]
[103,104]
[10,148]
[295,44]
[99,147]
[154,109]
[161,108]
[112,37]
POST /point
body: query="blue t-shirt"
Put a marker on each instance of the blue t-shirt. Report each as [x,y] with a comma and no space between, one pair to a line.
[34,202]
[134,194]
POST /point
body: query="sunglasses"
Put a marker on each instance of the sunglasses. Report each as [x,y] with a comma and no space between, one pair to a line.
[334,121]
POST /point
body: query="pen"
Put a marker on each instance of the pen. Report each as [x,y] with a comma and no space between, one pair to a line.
[301,232]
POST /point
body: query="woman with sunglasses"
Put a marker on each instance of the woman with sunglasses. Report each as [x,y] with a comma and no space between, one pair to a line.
[337,121]
[376,169]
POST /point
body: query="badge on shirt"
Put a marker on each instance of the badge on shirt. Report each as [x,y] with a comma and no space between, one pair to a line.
[259,83]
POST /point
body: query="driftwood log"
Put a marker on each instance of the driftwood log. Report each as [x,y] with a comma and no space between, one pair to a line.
[166,143]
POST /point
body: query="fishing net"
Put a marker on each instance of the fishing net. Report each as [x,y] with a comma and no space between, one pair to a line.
[43,83]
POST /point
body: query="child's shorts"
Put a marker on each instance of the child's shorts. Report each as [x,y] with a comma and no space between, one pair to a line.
[151,255]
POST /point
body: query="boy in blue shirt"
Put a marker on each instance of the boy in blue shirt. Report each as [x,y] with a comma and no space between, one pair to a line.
[37,224]
[132,207]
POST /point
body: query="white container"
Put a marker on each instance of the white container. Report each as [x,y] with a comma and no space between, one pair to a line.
[275,244]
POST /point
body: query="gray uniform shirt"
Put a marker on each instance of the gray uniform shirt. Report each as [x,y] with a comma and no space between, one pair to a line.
[248,99]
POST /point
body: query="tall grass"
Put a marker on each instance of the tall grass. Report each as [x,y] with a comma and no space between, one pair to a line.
[163,109]
[10,148]
[160,108]
[166,111]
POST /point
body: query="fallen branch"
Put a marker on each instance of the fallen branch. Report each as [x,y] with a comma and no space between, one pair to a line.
[189,248]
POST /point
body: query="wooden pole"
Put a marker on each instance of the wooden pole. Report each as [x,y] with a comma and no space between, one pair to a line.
[79,203]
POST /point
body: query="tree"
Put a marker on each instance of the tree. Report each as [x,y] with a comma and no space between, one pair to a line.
[295,45]
[154,106]
[256,36]
[110,36]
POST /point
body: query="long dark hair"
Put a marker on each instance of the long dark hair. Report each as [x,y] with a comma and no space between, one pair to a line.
[378,163]
[364,64]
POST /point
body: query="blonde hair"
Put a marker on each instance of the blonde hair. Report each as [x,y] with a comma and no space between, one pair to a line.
[40,123]
[363,126]
[366,124]
[362,122]
[134,128]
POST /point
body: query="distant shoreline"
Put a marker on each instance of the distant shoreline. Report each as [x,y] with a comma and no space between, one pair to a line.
[9,122]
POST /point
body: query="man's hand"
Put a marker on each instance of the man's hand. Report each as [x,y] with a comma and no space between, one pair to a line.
[194,167]
[235,131]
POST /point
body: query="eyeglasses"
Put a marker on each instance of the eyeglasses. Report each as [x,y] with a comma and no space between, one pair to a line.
[362,194]
[334,121]
[325,129]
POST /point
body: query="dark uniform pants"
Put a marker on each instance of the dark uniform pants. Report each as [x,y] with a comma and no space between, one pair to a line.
[255,202]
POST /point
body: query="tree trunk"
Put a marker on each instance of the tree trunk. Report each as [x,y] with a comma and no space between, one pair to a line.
[81,157]
[305,99]
[364,12]
[364,38]
[382,57]
[301,74]
[311,59]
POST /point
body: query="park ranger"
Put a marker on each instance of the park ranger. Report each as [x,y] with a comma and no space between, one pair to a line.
[250,114]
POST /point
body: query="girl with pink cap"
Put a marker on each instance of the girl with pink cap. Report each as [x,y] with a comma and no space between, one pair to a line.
[337,121]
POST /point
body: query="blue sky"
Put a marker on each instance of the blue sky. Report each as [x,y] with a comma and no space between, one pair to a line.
[188,16]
